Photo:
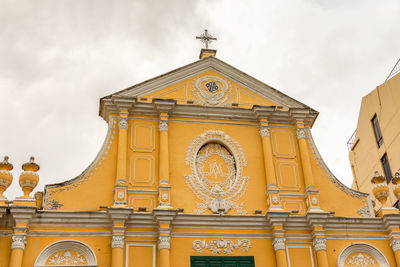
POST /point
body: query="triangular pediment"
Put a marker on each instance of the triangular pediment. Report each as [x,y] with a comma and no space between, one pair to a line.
[210,82]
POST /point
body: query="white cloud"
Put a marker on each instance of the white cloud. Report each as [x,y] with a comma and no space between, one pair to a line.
[59,58]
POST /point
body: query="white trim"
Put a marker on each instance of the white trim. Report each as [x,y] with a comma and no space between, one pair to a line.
[77,245]
[139,245]
[365,248]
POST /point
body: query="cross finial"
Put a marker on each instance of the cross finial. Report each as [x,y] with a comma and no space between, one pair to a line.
[206,38]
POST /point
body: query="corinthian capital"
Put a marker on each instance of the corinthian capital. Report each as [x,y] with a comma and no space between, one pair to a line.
[18,242]
[117,241]
[319,243]
[301,133]
[164,242]
[395,244]
[163,125]
[264,131]
[123,123]
[279,243]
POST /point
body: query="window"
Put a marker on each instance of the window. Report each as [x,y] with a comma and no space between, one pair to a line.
[386,168]
[377,130]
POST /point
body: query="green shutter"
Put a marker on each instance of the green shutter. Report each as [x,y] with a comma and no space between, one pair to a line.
[221,261]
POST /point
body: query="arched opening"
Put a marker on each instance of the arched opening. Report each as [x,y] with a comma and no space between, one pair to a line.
[66,253]
[362,255]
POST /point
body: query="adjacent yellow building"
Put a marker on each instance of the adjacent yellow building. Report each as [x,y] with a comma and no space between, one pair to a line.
[201,166]
[375,145]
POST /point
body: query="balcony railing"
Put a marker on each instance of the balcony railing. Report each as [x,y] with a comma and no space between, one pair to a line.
[351,141]
[395,70]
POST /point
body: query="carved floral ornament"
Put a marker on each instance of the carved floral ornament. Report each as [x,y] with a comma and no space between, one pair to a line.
[18,242]
[364,255]
[216,162]
[123,123]
[66,257]
[221,246]
[117,241]
[212,90]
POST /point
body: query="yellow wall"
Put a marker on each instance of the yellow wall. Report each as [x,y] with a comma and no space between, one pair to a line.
[365,156]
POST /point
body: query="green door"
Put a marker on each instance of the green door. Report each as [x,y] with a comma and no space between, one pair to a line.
[221,261]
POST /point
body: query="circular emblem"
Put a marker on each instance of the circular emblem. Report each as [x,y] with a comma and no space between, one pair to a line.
[211,90]
[216,162]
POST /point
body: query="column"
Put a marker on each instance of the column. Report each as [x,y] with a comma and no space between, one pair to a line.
[118,216]
[312,197]
[273,199]
[164,187]
[267,151]
[117,249]
[17,249]
[305,158]
[22,215]
[164,218]
[319,244]
[395,244]
[280,251]
[164,245]
[121,184]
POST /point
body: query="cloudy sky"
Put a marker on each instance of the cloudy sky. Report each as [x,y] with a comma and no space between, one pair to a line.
[57,58]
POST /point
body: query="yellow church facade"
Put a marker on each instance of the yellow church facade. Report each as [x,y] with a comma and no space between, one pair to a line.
[201,166]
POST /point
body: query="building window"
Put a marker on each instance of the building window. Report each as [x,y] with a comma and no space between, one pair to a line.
[377,130]
[386,168]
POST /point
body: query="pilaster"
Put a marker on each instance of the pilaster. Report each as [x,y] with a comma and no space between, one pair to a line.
[164,217]
[118,216]
[164,187]
[121,184]
[22,216]
[392,222]
[317,222]
[277,220]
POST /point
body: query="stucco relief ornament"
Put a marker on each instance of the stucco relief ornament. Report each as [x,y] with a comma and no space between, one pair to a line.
[54,204]
[211,90]
[123,123]
[279,243]
[163,125]
[164,242]
[264,131]
[68,257]
[301,133]
[18,242]
[319,244]
[117,241]
[395,244]
[221,246]
[216,162]
[361,260]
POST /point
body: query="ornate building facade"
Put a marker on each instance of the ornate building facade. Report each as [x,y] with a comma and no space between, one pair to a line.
[201,166]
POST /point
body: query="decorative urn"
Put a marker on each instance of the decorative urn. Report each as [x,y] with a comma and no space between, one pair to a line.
[29,179]
[5,175]
[380,189]
[396,183]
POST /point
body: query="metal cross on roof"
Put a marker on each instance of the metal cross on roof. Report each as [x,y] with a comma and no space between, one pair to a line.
[206,38]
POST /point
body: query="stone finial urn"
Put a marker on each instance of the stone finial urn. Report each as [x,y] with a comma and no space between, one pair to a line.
[396,183]
[380,189]
[5,175]
[29,179]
